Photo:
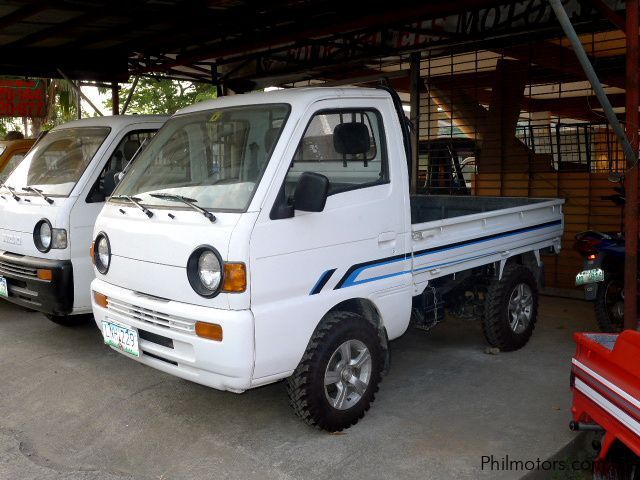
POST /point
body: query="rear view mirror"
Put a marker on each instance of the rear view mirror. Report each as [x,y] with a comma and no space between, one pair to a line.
[311,192]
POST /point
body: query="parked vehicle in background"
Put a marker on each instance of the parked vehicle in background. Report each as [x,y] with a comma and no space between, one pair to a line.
[49,204]
[603,271]
[272,235]
[11,154]
[605,380]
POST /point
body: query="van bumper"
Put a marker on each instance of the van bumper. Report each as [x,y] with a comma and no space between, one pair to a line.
[167,341]
[52,297]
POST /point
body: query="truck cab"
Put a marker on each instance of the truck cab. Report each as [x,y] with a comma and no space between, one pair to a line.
[48,206]
[273,235]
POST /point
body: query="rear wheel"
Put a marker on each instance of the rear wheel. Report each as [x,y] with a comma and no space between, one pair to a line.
[511,309]
[338,376]
[69,320]
[609,304]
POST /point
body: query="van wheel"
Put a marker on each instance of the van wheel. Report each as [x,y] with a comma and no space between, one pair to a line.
[338,376]
[69,320]
[511,309]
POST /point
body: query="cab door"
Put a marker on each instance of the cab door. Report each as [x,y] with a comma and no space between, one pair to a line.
[304,265]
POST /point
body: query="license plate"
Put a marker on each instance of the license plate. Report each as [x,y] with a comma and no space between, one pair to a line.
[590,276]
[120,337]
[4,289]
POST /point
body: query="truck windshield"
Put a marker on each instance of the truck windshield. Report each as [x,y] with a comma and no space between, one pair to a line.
[58,161]
[214,158]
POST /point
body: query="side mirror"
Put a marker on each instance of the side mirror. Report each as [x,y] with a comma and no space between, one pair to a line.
[311,192]
[111,180]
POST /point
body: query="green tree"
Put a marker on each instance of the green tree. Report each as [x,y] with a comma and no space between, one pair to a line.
[163,97]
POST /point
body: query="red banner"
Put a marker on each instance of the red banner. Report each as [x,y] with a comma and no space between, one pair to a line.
[22,98]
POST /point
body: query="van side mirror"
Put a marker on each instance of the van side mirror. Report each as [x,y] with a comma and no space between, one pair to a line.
[311,192]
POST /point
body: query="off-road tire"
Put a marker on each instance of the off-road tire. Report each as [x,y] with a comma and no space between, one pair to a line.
[605,322]
[495,321]
[69,320]
[305,387]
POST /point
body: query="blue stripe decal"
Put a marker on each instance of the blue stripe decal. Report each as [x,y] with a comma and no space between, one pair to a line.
[322,281]
[351,279]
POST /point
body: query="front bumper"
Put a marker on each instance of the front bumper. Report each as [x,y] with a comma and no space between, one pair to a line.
[53,297]
[167,341]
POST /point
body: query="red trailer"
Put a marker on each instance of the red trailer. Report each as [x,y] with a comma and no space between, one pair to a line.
[605,380]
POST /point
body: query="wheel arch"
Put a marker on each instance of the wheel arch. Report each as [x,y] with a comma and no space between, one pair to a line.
[368,310]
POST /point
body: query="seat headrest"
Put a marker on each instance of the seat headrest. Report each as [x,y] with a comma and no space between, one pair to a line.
[130,147]
[351,138]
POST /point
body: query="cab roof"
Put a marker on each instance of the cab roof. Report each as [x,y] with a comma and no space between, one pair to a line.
[292,96]
[113,121]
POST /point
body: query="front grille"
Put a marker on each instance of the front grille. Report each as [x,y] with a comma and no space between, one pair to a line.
[141,314]
[14,269]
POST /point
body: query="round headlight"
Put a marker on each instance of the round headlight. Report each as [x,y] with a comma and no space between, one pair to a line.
[102,253]
[42,235]
[204,270]
[209,270]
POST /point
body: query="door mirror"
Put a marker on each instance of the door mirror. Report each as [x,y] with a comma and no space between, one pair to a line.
[311,192]
[110,181]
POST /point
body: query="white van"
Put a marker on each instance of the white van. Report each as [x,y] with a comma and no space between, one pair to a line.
[48,207]
[273,235]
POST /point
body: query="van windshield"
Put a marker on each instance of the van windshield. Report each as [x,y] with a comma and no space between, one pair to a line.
[213,158]
[56,163]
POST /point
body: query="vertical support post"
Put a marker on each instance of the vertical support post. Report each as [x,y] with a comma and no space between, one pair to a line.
[78,99]
[631,179]
[115,98]
[414,102]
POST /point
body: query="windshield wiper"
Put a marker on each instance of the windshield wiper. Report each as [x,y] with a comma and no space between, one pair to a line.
[39,193]
[12,191]
[186,201]
[136,201]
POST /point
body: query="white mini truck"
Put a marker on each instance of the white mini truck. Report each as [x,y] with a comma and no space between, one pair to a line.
[48,207]
[272,236]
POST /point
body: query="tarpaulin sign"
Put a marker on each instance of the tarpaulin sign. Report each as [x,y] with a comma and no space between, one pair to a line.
[22,98]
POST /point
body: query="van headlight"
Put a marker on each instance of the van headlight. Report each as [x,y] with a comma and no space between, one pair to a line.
[46,237]
[204,271]
[102,253]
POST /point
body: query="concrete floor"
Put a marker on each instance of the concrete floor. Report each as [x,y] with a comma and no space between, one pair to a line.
[70,408]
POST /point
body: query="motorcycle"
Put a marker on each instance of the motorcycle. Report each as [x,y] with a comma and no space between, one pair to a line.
[603,268]
[603,276]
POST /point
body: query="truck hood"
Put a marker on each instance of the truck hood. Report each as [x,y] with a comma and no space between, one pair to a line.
[149,255]
[18,220]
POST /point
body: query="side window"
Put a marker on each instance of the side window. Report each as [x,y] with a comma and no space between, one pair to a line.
[121,156]
[347,146]
[11,165]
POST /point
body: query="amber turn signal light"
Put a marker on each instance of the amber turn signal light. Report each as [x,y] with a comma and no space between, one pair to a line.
[235,278]
[45,274]
[101,299]
[212,331]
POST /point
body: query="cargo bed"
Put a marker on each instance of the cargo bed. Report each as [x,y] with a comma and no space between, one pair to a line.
[452,233]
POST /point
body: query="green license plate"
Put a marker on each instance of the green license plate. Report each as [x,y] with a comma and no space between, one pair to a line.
[590,276]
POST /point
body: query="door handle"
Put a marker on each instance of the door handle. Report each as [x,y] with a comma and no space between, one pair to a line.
[385,237]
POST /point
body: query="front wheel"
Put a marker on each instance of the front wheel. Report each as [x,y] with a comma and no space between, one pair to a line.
[609,304]
[69,320]
[338,376]
[511,309]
